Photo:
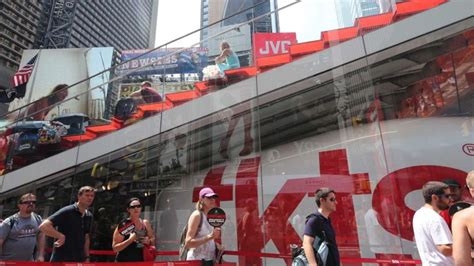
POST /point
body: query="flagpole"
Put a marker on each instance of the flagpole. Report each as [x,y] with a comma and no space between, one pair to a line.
[35,69]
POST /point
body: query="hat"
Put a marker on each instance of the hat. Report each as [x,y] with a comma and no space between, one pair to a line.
[207,192]
[146,83]
[451,182]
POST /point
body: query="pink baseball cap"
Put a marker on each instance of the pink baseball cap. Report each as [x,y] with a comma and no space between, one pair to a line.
[207,192]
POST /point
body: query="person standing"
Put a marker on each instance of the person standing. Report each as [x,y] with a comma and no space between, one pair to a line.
[318,226]
[73,224]
[131,234]
[463,230]
[20,234]
[455,195]
[201,235]
[432,235]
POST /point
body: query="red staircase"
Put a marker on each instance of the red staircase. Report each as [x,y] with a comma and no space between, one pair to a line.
[328,38]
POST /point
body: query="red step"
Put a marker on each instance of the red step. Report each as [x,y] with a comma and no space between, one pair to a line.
[155,107]
[406,9]
[370,23]
[304,48]
[204,86]
[238,74]
[274,60]
[114,125]
[339,35]
[178,98]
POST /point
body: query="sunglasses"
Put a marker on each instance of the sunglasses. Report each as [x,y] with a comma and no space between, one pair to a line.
[29,202]
[444,195]
[332,199]
[135,206]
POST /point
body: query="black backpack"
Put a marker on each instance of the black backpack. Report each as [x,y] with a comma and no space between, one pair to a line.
[297,253]
[125,108]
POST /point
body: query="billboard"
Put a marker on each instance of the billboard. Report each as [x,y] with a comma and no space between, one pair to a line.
[268,44]
[66,66]
[163,61]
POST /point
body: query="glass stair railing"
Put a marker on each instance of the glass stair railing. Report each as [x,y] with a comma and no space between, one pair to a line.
[12,158]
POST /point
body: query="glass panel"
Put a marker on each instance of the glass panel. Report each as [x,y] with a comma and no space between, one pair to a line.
[425,128]
[217,151]
[284,114]
[317,133]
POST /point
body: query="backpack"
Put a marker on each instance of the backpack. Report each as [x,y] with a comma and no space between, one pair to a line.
[125,108]
[25,137]
[320,248]
[26,143]
[183,250]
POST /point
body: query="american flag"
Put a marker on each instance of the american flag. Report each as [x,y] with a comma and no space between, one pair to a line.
[21,76]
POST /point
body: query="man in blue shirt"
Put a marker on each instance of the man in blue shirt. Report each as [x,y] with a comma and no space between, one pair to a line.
[73,225]
[319,226]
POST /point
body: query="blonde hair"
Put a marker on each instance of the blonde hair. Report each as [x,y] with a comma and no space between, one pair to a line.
[470,178]
[225,45]
[199,205]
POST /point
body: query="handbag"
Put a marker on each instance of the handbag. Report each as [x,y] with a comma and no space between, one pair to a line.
[149,252]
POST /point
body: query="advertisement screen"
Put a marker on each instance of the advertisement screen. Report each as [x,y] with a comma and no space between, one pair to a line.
[163,61]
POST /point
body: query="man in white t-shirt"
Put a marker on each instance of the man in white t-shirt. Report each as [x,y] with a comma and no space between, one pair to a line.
[432,235]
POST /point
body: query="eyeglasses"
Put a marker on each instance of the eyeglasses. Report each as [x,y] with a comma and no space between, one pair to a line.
[135,206]
[332,199]
[29,202]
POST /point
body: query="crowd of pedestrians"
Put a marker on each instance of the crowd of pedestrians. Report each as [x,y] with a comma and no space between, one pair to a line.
[441,237]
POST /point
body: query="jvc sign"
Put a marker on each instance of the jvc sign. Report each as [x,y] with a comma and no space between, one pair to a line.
[267,44]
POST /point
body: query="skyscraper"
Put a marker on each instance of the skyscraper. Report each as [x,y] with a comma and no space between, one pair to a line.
[215,10]
[18,26]
[349,10]
[124,24]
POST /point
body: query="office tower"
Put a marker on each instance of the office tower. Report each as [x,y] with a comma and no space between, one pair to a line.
[18,26]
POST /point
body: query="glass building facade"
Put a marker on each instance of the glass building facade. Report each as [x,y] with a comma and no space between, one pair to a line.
[374,117]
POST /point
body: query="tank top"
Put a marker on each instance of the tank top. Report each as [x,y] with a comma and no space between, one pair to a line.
[207,250]
[132,252]
[232,60]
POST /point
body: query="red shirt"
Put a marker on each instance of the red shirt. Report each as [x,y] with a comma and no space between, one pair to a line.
[446,217]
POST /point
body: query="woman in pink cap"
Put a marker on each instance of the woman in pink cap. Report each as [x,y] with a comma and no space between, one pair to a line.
[200,236]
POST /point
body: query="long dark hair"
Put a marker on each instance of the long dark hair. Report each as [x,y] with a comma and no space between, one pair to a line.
[53,96]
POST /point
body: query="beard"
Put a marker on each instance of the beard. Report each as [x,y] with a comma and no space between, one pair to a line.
[442,206]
